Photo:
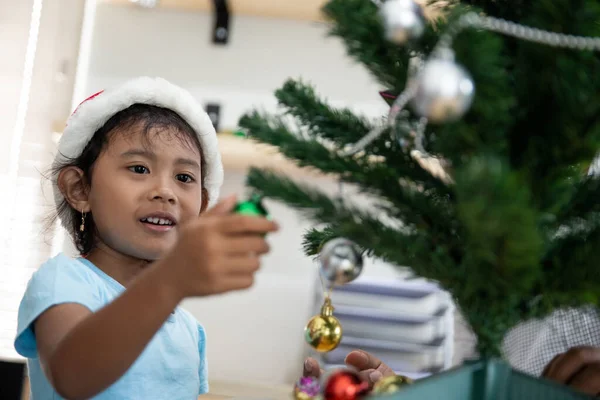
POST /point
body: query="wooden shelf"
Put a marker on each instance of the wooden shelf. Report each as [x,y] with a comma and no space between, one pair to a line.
[303,10]
[239,153]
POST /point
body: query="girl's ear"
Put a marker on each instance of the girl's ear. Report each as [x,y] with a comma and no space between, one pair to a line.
[74,186]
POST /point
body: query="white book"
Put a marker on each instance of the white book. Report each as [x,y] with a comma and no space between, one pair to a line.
[408,297]
[388,325]
[399,356]
[412,375]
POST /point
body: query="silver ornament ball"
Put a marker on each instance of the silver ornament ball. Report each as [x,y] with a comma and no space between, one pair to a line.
[341,261]
[403,20]
[444,91]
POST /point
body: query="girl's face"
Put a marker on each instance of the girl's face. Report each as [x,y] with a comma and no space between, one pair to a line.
[143,189]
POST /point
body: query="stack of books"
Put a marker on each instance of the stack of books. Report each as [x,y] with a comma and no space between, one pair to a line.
[407,323]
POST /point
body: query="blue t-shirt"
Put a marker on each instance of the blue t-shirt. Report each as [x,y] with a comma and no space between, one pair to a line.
[172,366]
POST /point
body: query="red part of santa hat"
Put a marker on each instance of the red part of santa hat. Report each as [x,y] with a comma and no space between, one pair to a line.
[97,109]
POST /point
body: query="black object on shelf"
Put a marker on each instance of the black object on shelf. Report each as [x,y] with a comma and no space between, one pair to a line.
[214,112]
[221,22]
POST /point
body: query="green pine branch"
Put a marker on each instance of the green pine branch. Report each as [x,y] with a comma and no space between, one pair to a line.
[584,199]
[489,318]
[514,237]
[310,202]
[343,127]
[400,245]
[484,127]
[422,208]
[312,153]
[512,10]
[315,238]
[571,275]
[358,25]
[503,245]
[556,127]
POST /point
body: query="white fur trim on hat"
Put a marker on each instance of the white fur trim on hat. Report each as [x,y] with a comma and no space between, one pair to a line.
[93,113]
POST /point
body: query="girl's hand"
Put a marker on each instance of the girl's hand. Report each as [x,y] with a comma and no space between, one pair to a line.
[578,368]
[218,252]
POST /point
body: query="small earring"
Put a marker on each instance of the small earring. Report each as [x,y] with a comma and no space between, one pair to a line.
[82,226]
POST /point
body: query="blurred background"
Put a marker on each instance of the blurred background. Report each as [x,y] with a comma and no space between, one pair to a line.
[231,55]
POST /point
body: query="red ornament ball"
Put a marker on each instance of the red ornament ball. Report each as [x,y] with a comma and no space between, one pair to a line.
[344,385]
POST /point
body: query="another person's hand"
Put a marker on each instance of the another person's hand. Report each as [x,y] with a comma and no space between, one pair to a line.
[578,368]
[370,368]
[312,368]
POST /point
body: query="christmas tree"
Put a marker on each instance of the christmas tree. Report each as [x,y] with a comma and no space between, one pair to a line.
[496,205]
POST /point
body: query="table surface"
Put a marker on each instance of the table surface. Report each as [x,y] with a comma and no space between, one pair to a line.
[220,390]
[230,390]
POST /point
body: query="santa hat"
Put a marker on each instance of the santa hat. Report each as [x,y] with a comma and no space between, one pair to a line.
[96,110]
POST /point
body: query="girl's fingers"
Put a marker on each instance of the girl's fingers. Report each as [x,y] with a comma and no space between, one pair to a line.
[243,245]
[243,224]
[236,282]
[242,265]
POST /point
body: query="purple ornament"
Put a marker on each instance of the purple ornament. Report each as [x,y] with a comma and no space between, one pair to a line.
[309,385]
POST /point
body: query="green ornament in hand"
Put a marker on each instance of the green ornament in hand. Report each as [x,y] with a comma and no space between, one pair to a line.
[253,207]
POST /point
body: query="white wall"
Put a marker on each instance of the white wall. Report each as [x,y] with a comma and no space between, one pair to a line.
[254,335]
[36,74]
[261,55]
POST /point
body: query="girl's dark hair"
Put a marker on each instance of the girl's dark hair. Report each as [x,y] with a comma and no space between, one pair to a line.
[147,120]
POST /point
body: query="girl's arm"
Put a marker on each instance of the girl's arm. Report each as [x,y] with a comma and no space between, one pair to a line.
[83,353]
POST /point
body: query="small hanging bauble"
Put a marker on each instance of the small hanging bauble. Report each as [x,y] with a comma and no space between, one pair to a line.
[307,388]
[444,91]
[324,332]
[341,262]
[344,385]
[391,384]
[403,20]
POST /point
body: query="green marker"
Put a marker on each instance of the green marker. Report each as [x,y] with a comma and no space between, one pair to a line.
[253,206]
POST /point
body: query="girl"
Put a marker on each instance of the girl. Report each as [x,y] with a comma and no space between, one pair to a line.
[136,166]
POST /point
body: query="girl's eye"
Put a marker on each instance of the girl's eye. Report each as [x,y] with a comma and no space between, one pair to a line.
[139,169]
[185,178]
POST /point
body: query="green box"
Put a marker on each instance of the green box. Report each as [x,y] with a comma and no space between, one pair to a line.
[484,380]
